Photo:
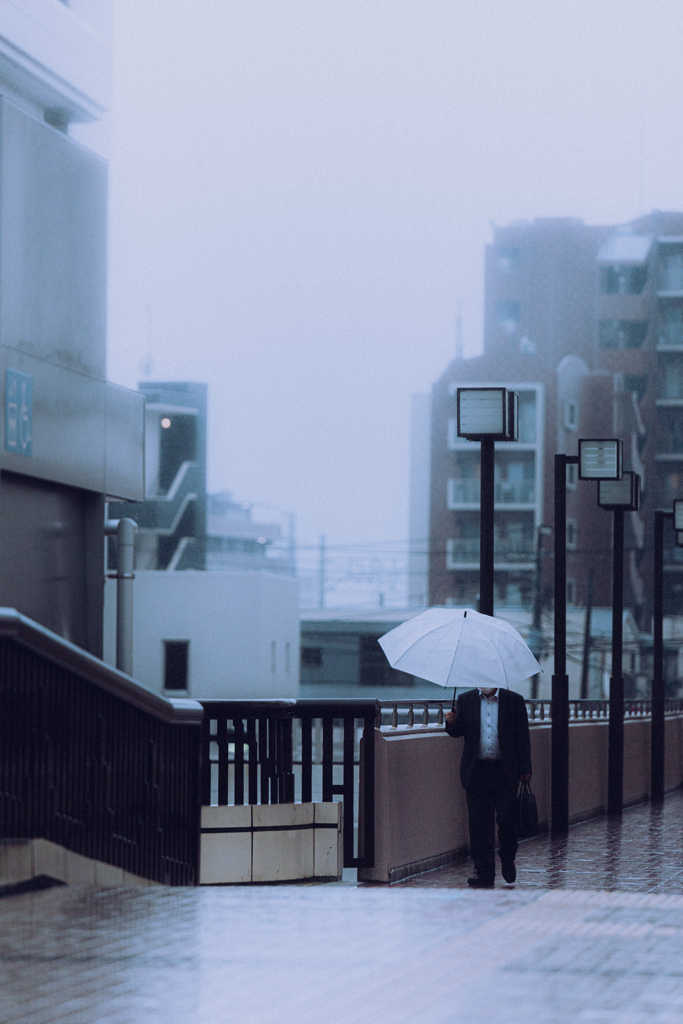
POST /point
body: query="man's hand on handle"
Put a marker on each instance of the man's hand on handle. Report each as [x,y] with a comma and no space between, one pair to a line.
[451,717]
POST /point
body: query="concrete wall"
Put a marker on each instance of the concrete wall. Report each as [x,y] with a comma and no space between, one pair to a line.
[243,629]
[420,806]
[67,437]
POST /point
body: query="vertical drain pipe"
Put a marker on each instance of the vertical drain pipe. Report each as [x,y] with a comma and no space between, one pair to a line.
[124,530]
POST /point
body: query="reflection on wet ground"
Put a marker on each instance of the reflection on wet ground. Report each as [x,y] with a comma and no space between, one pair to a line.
[640,852]
[549,950]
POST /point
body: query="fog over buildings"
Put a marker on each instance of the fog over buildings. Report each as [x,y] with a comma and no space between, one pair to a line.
[301,193]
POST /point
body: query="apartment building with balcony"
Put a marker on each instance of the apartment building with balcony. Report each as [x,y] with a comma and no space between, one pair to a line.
[586,324]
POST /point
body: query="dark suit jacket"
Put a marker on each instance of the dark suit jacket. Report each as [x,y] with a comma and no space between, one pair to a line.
[513,733]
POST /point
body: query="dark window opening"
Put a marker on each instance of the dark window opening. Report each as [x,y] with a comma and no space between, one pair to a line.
[671,279]
[176,657]
[508,315]
[509,259]
[623,280]
[671,432]
[312,657]
[636,382]
[622,333]
[177,444]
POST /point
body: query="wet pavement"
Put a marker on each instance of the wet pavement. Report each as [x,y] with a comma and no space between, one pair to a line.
[641,852]
[591,932]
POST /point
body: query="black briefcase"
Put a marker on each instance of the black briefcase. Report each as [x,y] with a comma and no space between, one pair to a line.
[527,823]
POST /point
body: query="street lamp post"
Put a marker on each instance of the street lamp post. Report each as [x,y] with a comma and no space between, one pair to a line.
[598,459]
[487,415]
[619,496]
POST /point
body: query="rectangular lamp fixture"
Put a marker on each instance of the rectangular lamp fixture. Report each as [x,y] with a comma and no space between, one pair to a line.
[620,494]
[487,413]
[600,459]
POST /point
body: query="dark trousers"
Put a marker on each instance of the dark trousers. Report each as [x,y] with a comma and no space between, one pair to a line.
[488,795]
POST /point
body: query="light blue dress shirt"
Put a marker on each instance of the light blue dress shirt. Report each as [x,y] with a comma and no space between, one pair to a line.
[489,749]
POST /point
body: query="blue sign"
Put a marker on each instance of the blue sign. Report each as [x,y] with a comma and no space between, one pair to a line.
[18,412]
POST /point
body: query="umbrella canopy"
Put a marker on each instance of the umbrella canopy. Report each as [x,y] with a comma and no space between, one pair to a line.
[460,647]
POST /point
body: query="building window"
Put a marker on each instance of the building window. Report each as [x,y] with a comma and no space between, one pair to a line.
[571,591]
[571,535]
[671,325]
[671,279]
[636,382]
[673,380]
[623,280]
[176,660]
[508,316]
[622,333]
[515,480]
[312,657]
[572,476]
[670,488]
[509,259]
[571,414]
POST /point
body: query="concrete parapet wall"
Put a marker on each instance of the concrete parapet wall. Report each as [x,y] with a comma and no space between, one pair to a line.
[271,843]
[420,806]
[23,860]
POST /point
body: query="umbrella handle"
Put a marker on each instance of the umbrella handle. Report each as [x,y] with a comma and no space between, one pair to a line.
[453,704]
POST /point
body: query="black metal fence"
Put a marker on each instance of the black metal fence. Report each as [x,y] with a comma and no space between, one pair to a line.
[90,761]
[274,751]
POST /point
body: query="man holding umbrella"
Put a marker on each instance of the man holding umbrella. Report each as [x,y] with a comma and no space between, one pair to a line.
[496,756]
[461,647]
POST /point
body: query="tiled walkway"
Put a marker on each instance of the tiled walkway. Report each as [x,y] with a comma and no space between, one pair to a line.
[641,853]
[551,949]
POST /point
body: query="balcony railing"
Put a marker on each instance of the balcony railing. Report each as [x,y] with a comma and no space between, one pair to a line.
[468,492]
[430,714]
[467,550]
[287,751]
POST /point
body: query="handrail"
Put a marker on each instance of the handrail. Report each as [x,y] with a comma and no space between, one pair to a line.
[30,634]
[285,751]
[405,713]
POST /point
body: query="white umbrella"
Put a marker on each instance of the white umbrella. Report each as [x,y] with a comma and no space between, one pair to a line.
[459,647]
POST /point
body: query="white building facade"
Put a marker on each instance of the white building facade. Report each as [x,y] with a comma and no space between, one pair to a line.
[212,635]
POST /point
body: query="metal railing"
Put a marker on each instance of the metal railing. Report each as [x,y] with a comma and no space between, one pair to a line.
[286,751]
[430,714]
[468,550]
[94,761]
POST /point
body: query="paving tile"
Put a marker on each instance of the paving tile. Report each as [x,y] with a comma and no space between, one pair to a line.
[591,933]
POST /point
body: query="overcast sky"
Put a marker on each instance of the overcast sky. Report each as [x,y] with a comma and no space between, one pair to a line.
[301,192]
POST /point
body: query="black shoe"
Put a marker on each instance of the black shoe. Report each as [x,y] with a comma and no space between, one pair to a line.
[508,870]
[481,881]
